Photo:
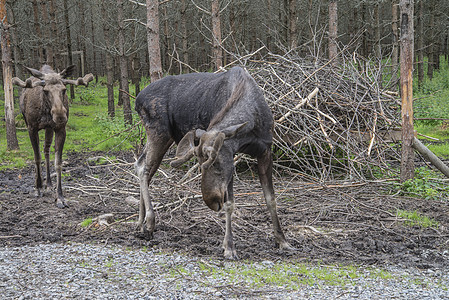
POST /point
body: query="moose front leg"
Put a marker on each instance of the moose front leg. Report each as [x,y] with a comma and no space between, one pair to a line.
[265,168]
[47,144]
[34,138]
[228,242]
[59,145]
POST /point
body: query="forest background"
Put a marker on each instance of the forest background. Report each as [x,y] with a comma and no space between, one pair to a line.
[110,37]
[113,39]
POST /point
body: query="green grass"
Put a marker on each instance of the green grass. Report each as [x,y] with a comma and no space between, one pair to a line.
[86,222]
[290,275]
[89,128]
[432,101]
[414,218]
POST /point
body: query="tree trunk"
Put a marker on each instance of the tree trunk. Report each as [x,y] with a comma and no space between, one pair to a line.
[377,42]
[123,66]
[185,53]
[407,34]
[333,31]
[69,45]
[136,73]
[431,48]
[217,53]
[54,33]
[292,27]
[109,61]
[37,32]
[82,44]
[18,53]
[395,51]
[420,42]
[47,35]
[93,66]
[11,137]
[154,49]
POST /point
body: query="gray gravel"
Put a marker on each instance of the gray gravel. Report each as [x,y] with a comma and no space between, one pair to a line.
[55,271]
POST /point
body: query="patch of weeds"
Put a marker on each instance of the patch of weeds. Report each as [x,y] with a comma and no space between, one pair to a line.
[86,222]
[379,273]
[109,262]
[414,218]
[426,185]
[286,274]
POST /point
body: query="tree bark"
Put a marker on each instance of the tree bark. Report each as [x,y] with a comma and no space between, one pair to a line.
[217,52]
[109,62]
[154,49]
[38,33]
[377,42]
[431,48]
[292,26]
[407,34]
[54,33]
[123,60]
[333,31]
[185,50]
[47,35]
[69,45]
[11,137]
[18,53]
[395,51]
[420,42]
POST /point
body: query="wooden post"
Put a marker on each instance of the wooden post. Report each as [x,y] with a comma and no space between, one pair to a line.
[406,41]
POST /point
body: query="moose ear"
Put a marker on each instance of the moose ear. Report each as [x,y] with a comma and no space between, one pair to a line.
[67,72]
[185,150]
[230,131]
[35,73]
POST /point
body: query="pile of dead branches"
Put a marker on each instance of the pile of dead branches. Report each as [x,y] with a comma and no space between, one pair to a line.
[331,122]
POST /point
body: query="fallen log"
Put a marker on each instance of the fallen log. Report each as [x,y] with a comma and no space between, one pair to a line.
[421,148]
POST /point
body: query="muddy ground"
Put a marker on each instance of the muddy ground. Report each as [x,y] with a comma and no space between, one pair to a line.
[348,224]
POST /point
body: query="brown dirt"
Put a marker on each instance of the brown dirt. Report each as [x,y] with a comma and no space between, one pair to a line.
[332,224]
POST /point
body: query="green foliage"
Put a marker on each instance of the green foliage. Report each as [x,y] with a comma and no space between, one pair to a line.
[432,98]
[414,218]
[86,222]
[427,184]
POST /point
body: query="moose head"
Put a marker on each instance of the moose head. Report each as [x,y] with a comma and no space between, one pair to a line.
[54,88]
[215,159]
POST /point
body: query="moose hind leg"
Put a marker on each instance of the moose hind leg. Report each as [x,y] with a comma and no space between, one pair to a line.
[146,167]
[265,168]
[47,144]
[34,139]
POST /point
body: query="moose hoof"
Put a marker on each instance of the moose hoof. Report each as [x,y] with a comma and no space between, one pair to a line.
[286,246]
[230,254]
[60,203]
[143,233]
[38,193]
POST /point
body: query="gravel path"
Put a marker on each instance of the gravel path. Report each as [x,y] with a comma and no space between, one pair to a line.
[79,271]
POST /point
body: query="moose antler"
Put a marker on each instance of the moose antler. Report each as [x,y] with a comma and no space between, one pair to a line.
[80,81]
[29,83]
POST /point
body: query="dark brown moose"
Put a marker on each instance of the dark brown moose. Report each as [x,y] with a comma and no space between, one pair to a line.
[44,105]
[212,117]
